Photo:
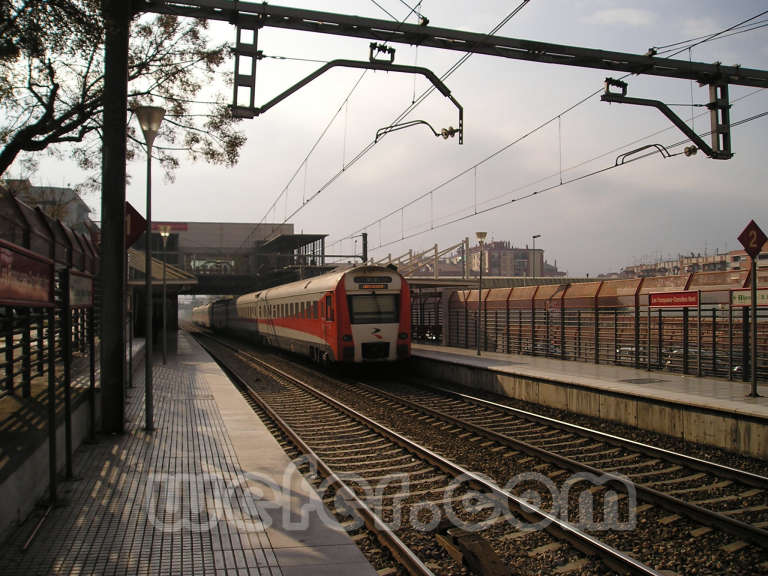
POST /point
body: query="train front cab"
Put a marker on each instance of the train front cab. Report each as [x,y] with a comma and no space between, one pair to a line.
[373,317]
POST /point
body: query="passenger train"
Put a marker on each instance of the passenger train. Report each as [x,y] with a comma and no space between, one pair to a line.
[349,315]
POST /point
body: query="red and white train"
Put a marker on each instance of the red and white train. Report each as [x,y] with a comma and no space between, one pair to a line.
[349,315]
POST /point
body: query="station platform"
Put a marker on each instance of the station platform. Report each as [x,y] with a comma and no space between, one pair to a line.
[209,491]
[711,411]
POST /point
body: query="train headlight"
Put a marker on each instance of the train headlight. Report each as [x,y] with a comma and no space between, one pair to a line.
[347,338]
[403,335]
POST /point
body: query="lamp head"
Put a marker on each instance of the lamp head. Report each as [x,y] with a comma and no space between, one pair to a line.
[481,236]
[150,118]
[536,236]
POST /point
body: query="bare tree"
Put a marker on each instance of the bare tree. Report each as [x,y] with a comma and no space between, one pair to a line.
[52,77]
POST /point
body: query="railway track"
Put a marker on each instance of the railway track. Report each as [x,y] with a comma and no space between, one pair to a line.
[402,489]
[692,515]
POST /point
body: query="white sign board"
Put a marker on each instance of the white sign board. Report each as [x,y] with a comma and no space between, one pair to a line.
[744,297]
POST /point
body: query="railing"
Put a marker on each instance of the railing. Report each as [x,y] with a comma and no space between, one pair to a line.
[711,339]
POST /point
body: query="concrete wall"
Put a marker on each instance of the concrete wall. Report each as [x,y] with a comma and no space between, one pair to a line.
[732,432]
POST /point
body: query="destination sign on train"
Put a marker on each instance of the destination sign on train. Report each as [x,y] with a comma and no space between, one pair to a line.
[372,279]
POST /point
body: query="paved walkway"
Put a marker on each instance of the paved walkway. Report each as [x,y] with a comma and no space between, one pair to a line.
[208,492]
[712,393]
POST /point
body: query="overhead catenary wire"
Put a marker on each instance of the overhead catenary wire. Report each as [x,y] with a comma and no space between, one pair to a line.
[540,191]
[303,163]
[528,134]
[362,153]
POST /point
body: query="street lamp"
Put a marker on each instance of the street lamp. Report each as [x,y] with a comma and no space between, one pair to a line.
[533,260]
[150,118]
[164,233]
[480,238]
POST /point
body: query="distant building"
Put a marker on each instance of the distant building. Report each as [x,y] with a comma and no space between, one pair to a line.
[733,260]
[60,203]
[500,258]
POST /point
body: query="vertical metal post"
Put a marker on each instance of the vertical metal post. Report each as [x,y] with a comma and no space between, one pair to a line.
[40,340]
[730,337]
[685,340]
[753,392]
[562,330]
[660,339]
[26,358]
[165,305]
[745,359]
[698,336]
[533,327]
[615,335]
[52,404]
[66,350]
[649,337]
[92,370]
[9,368]
[520,331]
[578,333]
[714,341]
[597,334]
[117,16]
[546,330]
[637,335]
[479,301]
[148,400]
[466,323]
[507,324]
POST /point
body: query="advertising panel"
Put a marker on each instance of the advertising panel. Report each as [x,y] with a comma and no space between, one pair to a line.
[26,278]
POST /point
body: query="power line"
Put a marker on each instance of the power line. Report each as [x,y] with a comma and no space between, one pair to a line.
[402,115]
[322,134]
[740,29]
[546,189]
[521,138]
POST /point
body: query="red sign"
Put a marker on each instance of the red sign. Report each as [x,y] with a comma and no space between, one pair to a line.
[674,299]
[753,239]
[26,278]
[169,226]
[135,225]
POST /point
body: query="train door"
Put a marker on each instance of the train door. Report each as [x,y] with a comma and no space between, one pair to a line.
[329,318]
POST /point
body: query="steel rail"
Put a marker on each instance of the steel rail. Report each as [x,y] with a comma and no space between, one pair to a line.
[704,516]
[388,538]
[727,472]
[560,529]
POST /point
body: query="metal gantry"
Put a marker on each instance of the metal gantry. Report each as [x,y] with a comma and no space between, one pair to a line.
[249,17]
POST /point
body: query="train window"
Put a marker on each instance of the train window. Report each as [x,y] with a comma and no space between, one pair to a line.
[314,310]
[329,308]
[373,308]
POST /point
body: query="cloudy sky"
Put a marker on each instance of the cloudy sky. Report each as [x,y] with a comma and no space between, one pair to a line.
[642,211]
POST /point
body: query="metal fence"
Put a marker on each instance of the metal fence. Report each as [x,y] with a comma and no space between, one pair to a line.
[607,323]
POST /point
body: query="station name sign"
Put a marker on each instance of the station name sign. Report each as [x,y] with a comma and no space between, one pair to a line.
[684,299]
[26,278]
[744,297]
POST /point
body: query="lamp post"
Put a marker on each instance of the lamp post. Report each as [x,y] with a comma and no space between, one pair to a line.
[480,238]
[164,233]
[533,259]
[150,118]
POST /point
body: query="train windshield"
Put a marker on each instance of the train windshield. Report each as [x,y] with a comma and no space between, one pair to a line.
[373,308]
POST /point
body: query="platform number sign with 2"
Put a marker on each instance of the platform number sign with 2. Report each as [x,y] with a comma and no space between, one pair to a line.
[753,239]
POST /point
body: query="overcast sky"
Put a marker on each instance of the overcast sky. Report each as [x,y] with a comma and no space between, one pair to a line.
[639,212]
